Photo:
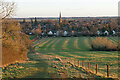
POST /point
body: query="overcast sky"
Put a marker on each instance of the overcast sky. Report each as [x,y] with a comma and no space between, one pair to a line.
[69,8]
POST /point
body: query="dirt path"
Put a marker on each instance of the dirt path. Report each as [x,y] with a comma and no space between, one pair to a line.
[55,66]
[36,67]
[47,66]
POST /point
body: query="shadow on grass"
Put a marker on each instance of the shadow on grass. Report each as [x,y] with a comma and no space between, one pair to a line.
[41,65]
[34,68]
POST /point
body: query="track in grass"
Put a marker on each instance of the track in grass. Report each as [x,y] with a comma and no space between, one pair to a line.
[60,55]
[79,48]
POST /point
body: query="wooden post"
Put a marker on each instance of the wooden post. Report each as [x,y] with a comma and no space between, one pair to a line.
[82,63]
[88,66]
[74,62]
[78,63]
[107,70]
[80,76]
[70,60]
[96,68]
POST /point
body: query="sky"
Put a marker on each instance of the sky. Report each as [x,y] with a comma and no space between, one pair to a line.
[68,8]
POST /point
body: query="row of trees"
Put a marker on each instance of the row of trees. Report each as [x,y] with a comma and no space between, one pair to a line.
[86,26]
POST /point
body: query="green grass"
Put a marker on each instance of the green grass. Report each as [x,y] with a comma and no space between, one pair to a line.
[67,49]
[32,36]
[81,53]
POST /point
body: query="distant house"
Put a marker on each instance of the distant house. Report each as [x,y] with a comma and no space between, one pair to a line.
[57,33]
[106,33]
[30,33]
[65,33]
[50,33]
[114,32]
[98,33]
[43,33]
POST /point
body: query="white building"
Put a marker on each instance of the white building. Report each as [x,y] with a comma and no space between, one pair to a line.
[30,33]
[114,32]
[65,33]
[98,33]
[42,33]
[106,32]
[50,33]
[57,33]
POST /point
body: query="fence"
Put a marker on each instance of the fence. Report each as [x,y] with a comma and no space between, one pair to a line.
[96,68]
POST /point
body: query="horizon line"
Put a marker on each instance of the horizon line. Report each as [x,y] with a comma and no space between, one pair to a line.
[62,17]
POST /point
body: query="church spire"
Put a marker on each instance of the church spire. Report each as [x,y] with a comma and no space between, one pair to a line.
[60,19]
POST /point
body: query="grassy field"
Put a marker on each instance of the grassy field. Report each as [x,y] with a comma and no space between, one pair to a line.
[79,49]
[58,57]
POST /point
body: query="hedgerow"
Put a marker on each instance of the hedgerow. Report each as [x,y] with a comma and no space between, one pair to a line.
[103,44]
[15,43]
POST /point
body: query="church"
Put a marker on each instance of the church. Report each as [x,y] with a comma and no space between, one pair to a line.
[60,19]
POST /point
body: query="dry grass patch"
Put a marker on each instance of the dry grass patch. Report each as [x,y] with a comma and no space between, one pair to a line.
[65,44]
[51,43]
[103,44]
[44,43]
[76,44]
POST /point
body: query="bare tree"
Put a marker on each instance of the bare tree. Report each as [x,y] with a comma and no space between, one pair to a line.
[6,9]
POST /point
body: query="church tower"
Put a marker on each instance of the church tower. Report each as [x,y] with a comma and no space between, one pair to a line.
[60,19]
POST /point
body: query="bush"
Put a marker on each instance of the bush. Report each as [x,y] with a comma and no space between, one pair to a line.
[103,44]
[15,44]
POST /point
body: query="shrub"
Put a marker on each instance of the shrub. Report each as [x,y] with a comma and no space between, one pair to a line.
[15,44]
[103,44]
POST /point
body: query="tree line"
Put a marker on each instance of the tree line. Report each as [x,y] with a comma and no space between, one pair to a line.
[85,26]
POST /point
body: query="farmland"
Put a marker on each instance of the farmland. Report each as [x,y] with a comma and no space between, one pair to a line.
[59,56]
[78,48]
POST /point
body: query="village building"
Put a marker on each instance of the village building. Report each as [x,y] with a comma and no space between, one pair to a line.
[114,32]
[98,33]
[50,33]
[57,33]
[71,27]
[65,33]
[30,33]
[106,33]
[60,19]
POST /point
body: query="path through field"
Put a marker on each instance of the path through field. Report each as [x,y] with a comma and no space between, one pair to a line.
[58,57]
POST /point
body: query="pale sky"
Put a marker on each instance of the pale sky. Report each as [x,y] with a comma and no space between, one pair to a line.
[69,8]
